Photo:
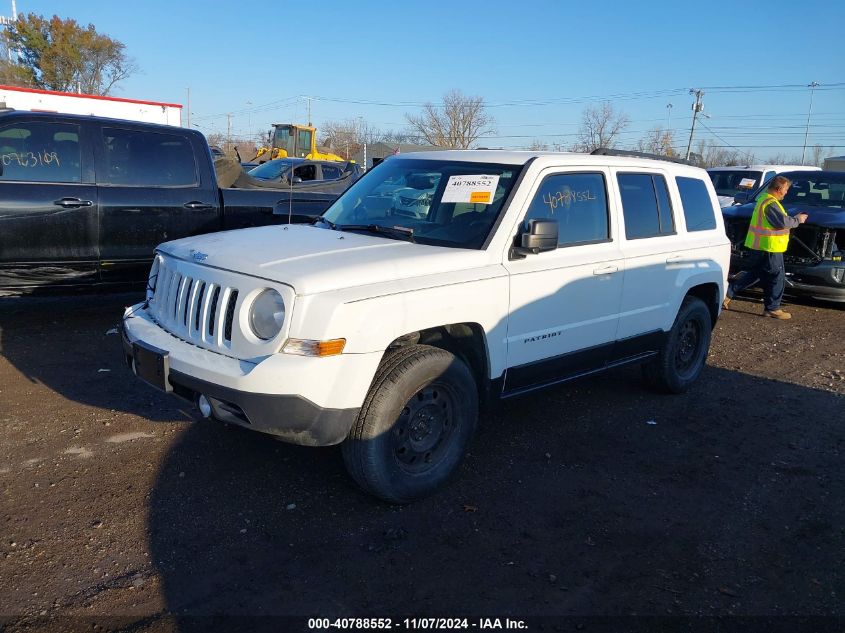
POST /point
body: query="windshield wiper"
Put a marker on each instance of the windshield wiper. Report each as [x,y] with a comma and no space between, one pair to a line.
[395,231]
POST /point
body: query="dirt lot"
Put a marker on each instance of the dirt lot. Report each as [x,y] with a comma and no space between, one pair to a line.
[593,498]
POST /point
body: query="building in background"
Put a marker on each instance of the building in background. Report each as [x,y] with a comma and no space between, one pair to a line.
[835,163]
[377,152]
[72,103]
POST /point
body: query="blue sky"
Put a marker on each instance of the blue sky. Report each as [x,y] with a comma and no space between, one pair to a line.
[537,63]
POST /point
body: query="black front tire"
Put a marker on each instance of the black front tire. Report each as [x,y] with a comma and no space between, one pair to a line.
[684,352]
[416,423]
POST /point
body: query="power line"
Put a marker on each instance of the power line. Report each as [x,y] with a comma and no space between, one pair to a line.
[748,154]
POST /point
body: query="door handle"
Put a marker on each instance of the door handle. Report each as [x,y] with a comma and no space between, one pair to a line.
[198,205]
[606,270]
[674,259]
[72,203]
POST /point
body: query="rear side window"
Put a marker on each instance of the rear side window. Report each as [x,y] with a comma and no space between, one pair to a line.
[330,172]
[579,204]
[698,208]
[645,206]
[39,151]
[151,159]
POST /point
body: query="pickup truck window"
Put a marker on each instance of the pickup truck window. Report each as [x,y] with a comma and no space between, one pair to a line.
[698,208]
[143,159]
[578,201]
[730,183]
[645,205]
[40,152]
[408,193]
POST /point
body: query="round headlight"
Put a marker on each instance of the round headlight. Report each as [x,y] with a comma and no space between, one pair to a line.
[267,314]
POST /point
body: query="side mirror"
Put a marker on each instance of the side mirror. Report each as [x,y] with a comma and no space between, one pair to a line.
[297,180]
[542,236]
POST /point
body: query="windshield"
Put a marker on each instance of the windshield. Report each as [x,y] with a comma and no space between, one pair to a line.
[271,169]
[814,188]
[444,203]
[730,183]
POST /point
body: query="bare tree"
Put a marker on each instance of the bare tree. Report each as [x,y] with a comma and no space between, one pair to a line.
[658,141]
[348,137]
[457,124]
[398,136]
[819,153]
[538,146]
[782,158]
[600,127]
[710,155]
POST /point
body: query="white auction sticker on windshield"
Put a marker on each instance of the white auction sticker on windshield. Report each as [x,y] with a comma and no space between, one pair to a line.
[474,189]
[747,183]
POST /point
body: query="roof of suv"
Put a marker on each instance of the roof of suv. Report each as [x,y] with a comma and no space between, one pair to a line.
[510,157]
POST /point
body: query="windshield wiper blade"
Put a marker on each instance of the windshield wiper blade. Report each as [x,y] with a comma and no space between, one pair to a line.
[396,231]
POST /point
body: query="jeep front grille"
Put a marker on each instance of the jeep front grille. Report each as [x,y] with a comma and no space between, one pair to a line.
[194,309]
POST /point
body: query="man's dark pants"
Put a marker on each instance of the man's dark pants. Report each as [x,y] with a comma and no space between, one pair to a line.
[766,270]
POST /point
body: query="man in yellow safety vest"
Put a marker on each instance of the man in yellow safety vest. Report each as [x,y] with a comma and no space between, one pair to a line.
[767,239]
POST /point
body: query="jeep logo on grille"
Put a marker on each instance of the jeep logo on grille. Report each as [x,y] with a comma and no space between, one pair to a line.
[198,256]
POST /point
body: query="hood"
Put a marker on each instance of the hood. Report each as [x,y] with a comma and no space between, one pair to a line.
[829,217]
[313,260]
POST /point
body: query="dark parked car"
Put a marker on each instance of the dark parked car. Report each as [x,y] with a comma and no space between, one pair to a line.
[301,174]
[84,200]
[814,259]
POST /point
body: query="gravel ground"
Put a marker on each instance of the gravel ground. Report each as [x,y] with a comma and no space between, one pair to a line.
[594,498]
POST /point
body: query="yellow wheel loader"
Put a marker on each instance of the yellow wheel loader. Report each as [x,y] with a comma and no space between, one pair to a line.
[293,140]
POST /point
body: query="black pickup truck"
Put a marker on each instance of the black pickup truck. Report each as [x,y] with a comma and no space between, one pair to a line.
[84,200]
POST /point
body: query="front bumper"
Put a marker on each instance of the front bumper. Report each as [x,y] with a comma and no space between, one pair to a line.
[825,280]
[283,395]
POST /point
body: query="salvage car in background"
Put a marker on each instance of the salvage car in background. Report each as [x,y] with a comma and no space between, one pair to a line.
[301,174]
[814,264]
[414,199]
[731,182]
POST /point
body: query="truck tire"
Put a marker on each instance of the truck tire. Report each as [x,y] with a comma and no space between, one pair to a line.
[684,352]
[416,423]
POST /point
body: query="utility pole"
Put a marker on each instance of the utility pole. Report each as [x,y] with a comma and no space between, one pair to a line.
[308,101]
[696,108]
[229,130]
[669,107]
[189,106]
[812,86]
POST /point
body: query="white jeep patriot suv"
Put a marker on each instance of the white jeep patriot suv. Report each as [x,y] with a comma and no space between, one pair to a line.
[385,331]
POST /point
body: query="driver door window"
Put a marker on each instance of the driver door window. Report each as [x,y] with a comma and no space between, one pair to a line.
[305,172]
[579,204]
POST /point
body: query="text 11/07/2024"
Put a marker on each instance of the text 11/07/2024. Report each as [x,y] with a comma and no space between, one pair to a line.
[414,624]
